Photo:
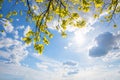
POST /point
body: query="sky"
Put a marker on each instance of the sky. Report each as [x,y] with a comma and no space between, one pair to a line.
[90,53]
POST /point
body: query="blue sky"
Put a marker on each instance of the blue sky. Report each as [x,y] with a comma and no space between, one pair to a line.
[90,53]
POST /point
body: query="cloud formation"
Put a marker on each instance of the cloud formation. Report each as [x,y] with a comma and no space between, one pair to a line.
[14,51]
[18,72]
[70,63]
[7,42]
[70,68]
[7,25]
[105,43]
[64,69]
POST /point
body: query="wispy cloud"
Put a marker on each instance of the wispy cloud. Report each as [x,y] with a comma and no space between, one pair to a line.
[16,34]
[8,42]
[3,34]
[42,65]
[20,27]
[15,51]
[7,25]
[63,69]
[70,68]
[67,70]
[25,73]
[70,63]
[47,63]
[12,50]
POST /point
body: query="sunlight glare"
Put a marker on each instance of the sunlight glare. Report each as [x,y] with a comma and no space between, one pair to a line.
[79,38]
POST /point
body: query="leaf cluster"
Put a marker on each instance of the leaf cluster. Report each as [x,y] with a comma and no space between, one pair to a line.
[66,12]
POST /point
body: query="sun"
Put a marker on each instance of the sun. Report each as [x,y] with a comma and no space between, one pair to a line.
[79,38]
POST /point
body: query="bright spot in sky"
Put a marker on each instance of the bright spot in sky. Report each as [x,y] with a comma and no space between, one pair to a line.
[79,38]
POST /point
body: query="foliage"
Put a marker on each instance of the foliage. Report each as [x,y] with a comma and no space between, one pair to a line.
[67,12]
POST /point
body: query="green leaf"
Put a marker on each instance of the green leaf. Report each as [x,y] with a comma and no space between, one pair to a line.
[45,40]
[1,15]
[51,36]
[39,48]
[64,35]
[27,40]
[37,39]
[29,33]
[114,25]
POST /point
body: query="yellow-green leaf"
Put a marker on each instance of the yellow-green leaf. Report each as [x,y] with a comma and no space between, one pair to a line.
[1,15]
[39,1]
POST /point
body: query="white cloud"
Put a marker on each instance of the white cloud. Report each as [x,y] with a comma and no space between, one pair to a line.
[12,50]
[89,73]
[25,73]
[70,68]
[47,63]
[112,56]
[65,47]
[8,42]
[70,63]
[44,58]
[61,68]
[43,66]
[7,25]
[4,55]
[60,72]
[16,34]
[98,72]
[15,51]
[68,45]
[17,19]
[3,34]
[20,27]
[18,53]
